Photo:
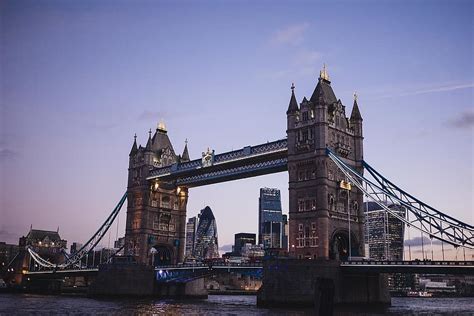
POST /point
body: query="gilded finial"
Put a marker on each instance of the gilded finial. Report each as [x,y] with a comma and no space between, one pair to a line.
[135,137]
[323,74]
[161,126]
[355,96]
[292,86]
[186,141]
[149,133]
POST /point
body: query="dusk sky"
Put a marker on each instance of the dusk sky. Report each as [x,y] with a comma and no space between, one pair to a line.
[79,78]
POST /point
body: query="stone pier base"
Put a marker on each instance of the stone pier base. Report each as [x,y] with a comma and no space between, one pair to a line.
[190,289]
[293,282]
[123,280]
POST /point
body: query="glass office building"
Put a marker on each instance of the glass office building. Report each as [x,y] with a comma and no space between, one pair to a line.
[206,246]
[271,229]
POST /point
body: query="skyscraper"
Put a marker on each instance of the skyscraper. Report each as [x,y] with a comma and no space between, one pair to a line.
[241,239]
[206,236]
[384,231]
[190,237]
[270,219]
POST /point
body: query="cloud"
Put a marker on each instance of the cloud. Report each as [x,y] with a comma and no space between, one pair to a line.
[306,58]
[434,89]
[464,120]
[303,63]
[291,35]
[152,115]
[416,242]
[6,153]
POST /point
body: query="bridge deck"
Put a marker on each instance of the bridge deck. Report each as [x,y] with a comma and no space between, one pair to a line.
[247,162]
[429,267]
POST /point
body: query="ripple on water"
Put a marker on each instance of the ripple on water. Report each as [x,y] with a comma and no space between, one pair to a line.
[21,304]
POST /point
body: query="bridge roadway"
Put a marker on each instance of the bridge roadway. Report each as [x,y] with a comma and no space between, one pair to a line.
[366,266]
[414,266]
[247,162]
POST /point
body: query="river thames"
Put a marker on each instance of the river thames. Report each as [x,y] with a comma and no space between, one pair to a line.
[27,304]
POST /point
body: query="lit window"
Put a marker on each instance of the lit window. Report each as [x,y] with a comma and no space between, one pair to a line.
[301,205]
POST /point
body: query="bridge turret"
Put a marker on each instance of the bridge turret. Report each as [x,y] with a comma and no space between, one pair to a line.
[185,155]
[156,211]
[318,205]
[292,113]
[134,149]
[356,126]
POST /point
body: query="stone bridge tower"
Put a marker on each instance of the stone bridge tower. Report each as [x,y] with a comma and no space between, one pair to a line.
[156,211]
[319,200]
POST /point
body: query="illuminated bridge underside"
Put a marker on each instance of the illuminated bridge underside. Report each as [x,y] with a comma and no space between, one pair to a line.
[247,162]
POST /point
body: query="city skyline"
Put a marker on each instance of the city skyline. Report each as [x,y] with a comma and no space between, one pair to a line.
[74,100]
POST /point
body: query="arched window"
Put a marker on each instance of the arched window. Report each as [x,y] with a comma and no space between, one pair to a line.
[165,202]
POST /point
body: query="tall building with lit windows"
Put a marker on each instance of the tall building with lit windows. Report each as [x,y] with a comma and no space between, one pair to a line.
[190,237]
[384,233]
[271,229]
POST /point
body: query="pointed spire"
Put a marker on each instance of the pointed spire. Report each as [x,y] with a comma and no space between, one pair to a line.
[57,229]
[323,91]
[185,155]
[293,106]
[148,143]
[31,226]
[355,115]
[134,146]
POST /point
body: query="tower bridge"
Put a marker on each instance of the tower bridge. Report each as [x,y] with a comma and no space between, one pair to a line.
[323,155]
[159,181]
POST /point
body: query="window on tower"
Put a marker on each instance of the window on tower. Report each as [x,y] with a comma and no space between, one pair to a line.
[305,116]
[305,135]
[300,205]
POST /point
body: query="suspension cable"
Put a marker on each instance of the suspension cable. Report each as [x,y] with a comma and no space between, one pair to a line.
[455,233]
[87,247]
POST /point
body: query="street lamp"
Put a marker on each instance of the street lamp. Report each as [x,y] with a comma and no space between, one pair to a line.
[346,185]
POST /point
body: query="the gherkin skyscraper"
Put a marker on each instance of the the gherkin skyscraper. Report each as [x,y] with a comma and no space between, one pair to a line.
[206,236]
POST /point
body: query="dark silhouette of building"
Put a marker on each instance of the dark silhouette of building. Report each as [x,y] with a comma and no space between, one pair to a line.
[191,237]
[318,203]
[7,253]
[75,247]
[119,243]
[241,239]
[206,236]
[270,219]
[48,244]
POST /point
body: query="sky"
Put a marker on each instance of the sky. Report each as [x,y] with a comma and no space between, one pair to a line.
[79,78]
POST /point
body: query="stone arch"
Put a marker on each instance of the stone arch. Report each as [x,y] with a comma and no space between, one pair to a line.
[213,285]
[339,245]
[162,255]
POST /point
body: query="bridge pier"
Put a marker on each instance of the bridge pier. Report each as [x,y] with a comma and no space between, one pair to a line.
[292,282]
[190,289]
[123,280]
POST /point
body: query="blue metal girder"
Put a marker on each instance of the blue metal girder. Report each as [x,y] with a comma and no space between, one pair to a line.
[247,162]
